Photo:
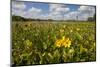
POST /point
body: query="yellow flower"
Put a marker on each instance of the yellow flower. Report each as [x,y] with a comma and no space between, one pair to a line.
[66,43]
[58,43]
[71,30]
[63,37]
[69,43]
[28,42]
[63,42]
[94,44]
[64,26]
[78,29]
[61,30]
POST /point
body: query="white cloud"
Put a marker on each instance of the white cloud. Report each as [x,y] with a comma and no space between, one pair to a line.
[33,13]
[86,11]
[61,9]
[56,17]
[52,7]
[44,16]
[18,5]
[57,11]
[58,8]
[89,10]
[19,9]
[86,8]
[71,15]
[34,10]
[18,12]
[82,13]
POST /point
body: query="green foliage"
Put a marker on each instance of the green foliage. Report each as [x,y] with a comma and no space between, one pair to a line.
[34,43]
[92,18]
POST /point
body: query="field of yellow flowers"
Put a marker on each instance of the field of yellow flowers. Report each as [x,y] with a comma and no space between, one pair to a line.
[53,42]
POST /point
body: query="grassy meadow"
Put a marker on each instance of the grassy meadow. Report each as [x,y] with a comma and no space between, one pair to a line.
[35,42]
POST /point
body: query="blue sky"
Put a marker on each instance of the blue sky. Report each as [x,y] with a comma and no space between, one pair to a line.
[45,6]
[51,11]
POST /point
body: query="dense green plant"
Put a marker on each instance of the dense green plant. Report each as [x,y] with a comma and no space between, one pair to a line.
[34,42]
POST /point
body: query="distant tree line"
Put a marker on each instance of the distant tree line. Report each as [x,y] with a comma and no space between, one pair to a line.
[19,18]
[92,18]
